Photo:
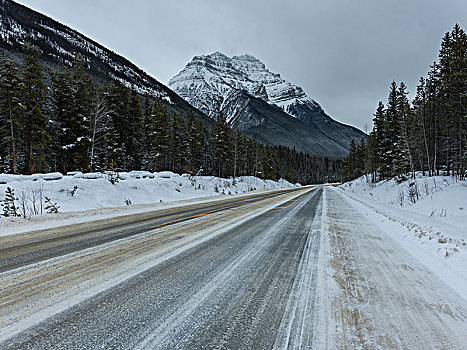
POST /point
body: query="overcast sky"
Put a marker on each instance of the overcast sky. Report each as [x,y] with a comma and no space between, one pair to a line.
[344,53]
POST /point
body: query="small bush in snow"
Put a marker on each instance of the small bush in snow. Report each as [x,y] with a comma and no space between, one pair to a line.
[400,196]
[426,187]
[73,191]
[413,192]
[9,207]
[50,206]
[114,178]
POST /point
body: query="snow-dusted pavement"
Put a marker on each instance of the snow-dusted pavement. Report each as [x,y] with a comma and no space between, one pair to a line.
[383,296]
[296,271]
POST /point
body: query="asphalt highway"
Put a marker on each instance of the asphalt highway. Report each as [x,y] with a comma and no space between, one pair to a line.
[16,251]
[293,269]
[205,276]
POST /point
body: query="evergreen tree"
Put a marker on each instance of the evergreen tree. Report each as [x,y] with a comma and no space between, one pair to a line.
[9,205]
[195,142]
[221,139]
[62,119]
[145,133]
[117,154]
[406,129]
[35,122]
[134,135]
[161,135]
[83,99]
[11,113]
[383,140]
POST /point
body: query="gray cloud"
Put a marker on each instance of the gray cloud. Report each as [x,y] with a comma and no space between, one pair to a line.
[344,53]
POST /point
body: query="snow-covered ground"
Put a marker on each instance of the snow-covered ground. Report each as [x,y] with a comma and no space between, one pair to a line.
[93,196]
[427,215]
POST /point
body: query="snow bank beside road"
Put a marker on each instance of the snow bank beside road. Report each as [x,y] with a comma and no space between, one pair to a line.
[134,192]
[427,215]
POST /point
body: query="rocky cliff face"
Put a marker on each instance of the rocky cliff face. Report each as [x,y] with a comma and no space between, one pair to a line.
[236,85]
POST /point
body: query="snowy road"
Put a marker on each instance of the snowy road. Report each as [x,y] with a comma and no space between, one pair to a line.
[383,297]
[301,270]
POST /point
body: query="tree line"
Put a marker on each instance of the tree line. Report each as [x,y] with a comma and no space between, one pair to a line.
[427,134]
[62,120]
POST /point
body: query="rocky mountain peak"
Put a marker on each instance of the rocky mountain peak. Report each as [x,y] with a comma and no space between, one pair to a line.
[216,74]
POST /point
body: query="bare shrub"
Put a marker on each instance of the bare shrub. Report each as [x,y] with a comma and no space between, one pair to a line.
[31,200]
[400,196]
[413,192]
[426,187]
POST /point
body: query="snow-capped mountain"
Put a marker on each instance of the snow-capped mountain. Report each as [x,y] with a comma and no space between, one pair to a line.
[20,25]
[210,80]
[216,82]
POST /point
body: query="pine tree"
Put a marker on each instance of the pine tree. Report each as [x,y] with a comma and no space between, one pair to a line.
[371,157]
[384,140]
[177,144]
[9,206]
[453,79]
[83,99]
[221,139]
[11,112]
[35,122]
[238,153]
[134,134]
[161,134]
[195,142]
[62,114]
[117,148]
[146,129]
[406,129]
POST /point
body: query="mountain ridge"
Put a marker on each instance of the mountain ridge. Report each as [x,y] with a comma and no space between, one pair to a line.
[59,43]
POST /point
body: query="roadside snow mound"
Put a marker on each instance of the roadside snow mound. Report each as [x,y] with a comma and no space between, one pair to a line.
[439,197]
[430,211]
[78,191]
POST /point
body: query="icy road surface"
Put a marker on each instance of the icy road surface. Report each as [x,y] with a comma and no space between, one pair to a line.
[297,270]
